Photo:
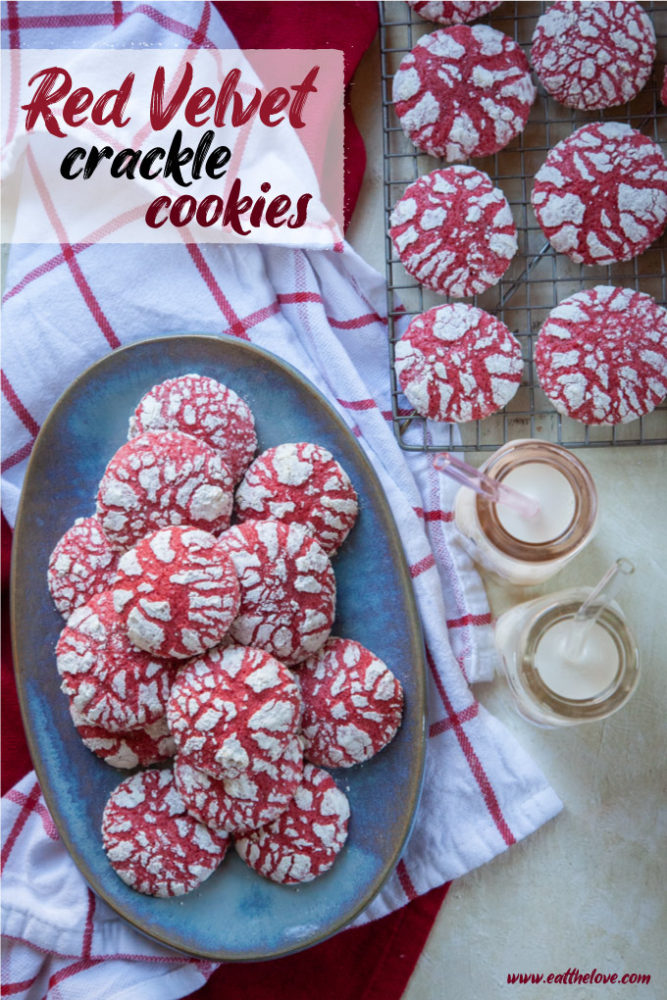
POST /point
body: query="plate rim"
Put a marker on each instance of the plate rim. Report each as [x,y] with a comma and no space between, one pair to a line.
[399,560]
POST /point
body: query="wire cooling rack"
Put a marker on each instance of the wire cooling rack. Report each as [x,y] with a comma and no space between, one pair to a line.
[538,277]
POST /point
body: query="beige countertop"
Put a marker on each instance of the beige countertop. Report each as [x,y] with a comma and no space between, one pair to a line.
[587,890]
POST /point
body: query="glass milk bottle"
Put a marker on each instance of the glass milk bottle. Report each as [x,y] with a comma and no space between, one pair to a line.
[528,550]
[569,657]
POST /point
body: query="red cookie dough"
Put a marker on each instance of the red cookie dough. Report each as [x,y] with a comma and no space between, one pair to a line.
[601,194]
[152,842]
[139,747]
[81,565]
[253,799]
[288,588]
[601,355]
[463,91]
[454,11]
[302,483]
[204,408]
[593,55]
[110,682]
[352,704]
[233,708]
[177,591]
[305,840]
[457,362]
[160,479]
[454,231]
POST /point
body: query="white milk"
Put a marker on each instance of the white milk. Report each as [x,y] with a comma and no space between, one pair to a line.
[555,496]
[577,660]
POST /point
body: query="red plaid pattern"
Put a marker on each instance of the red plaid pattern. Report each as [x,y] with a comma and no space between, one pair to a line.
[323,312]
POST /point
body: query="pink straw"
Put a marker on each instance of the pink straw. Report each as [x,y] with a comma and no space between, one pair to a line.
[487,487]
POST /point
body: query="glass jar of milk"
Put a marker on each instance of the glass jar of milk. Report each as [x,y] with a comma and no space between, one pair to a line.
[526,550]
[562,671]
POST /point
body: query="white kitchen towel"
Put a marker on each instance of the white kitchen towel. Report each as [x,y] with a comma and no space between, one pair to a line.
[325,313]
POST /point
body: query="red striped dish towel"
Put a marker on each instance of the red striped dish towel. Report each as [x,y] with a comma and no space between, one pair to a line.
[325,313]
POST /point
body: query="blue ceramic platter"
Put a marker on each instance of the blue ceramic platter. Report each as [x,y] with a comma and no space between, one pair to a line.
[236,915]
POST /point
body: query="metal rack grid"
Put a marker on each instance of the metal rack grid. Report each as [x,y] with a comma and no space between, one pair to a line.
[538,277]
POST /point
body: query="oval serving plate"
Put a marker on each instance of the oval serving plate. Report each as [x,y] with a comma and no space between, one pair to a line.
[236,915]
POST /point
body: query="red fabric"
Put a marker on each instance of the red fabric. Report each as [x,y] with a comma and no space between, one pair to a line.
[373,962]
[350,27]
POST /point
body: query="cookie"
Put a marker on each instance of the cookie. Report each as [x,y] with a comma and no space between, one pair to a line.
[601,355]
[81,565]
[305,839]
[138,748]
[352,704]
[204,408]
[457,362]
[237,805]
[233,708]
[454,231]
[177,592]
[160,479]
[302,483]
[150,840]
[463,91]
[601,194]
[288,588]
[593,55]
[454,11]
[110,682]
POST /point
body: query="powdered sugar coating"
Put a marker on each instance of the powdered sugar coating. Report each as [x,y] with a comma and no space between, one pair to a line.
[288,588]
[253,799]
[151,744]
[81,565]
[352,704]
[601,194]
[463,91]
[453,11]
[233,708]
[160,479]
[601,355]
[111,683]
[457,362]
[593,55]
[177,591]
[454,231]
[302,483]
[152,843]
[304,841]
[205,408]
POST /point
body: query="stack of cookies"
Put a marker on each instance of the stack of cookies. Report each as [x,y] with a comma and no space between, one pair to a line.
[200,651]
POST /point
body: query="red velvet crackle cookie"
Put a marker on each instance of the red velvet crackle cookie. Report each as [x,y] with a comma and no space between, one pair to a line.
[177,591]
[454,231]
[457,362]
[601,194]
[139,747]
[453,11]
[254,798]
[288,588]
[198,405]
[231,708]
[159,479]
[305,839]
[151,841]
[593,55]
[303,483]
[110,682]
[352,704]
[81,565]
[601,355]
[463,91]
